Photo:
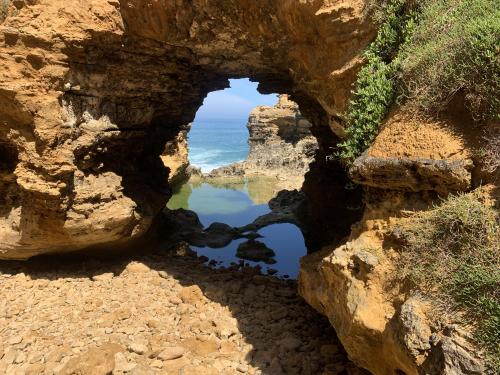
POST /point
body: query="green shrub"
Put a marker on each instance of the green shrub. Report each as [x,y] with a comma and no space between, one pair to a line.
[375,87]
[452,254]
[424,55]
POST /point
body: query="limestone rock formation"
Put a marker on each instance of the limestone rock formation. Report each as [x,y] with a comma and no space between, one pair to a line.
[356,285]
[415,155]
[281,145]
[256,251]
[91,93]
[175,158]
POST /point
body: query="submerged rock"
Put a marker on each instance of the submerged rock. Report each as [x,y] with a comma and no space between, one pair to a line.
[255,251]
[185,226]
[217,235]
[286,207]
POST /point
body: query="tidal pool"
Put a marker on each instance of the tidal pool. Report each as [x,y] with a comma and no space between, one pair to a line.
[237,203]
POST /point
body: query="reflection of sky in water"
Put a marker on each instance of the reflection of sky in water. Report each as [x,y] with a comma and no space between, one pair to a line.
[285,239]
[232,204]
[218,204]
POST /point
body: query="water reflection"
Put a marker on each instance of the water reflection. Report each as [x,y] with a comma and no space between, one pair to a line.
[237,203]
[228,204]
[285,239]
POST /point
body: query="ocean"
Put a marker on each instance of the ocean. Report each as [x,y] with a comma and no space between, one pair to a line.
[215,143]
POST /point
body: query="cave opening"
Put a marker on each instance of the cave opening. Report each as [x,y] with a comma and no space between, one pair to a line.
[238,170]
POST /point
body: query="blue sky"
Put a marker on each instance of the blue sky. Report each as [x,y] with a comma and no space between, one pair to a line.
[235,102]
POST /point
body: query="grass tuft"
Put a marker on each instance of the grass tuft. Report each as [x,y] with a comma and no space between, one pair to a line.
[452,254]
[454,49]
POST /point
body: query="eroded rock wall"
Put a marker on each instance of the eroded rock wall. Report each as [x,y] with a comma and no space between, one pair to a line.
[386,328]
[175,157]
[90,94]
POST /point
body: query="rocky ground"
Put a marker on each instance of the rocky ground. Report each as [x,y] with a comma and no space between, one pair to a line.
[158,315]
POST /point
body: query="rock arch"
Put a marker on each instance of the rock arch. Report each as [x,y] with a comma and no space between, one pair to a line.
[90,94]
[99,89]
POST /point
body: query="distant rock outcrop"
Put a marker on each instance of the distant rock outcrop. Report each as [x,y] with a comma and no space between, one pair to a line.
[281,145]
[175,157]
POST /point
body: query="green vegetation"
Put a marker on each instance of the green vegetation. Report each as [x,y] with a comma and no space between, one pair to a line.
[456,48]
[424,55]
[376,84]
[452,254]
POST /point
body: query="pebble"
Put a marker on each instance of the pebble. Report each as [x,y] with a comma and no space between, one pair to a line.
[160,315]
[15,340]
[157,363]
[20,358]
[170,353]
[290,343]
[242,368]
[137,348]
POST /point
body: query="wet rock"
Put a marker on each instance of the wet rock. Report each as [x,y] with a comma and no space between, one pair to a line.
[286,207]
[252,235]
[219,235]
[255,251]
[182,219]
[186,228]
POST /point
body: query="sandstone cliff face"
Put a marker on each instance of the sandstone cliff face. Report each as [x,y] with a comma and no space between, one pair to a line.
[385,327]
[90,94]
[281,146]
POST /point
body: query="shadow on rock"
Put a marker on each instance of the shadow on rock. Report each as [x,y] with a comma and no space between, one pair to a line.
[163,315]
